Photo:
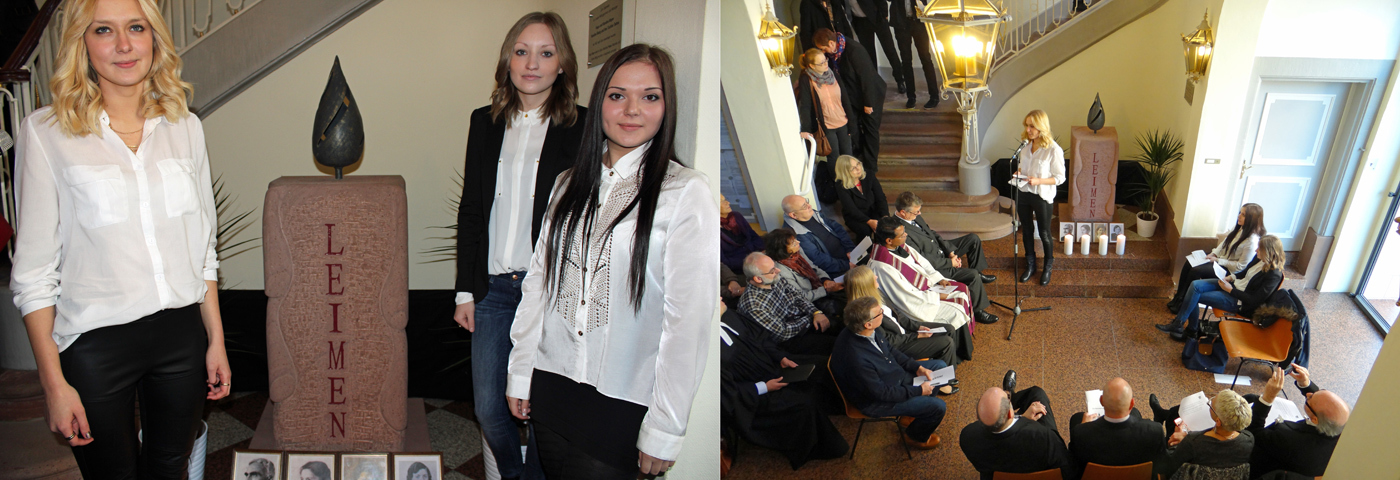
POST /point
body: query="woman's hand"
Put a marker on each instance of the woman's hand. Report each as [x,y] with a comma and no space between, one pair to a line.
[1226,286]
[1212,257]
[808,136]
[66,415]
[651,465]
[465,315]
[220,378]
[519,407]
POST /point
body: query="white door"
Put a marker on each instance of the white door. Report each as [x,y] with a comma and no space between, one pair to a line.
[1292,128]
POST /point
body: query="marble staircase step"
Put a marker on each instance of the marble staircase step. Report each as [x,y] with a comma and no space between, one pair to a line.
[31,451]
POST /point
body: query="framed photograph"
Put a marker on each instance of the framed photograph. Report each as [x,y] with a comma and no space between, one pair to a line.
[364,466]
[417,466]
[257,465]
[1099,229]
[1066,228]
[1085,228]
[311,466]
[1114,230]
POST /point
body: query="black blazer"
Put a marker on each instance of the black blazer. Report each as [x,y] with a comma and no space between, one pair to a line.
[1117,444]
[929,244]
[871,377]
[858,207]
[479,189]
[860,78]
[1293,446]
[1026,447]
[1259,289]
[814,18]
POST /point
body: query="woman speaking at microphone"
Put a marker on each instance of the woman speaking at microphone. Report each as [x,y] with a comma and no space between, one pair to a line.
[1042,168]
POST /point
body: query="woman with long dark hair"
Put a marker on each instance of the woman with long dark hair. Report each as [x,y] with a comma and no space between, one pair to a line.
[1232,253]
[516,147]
[115,269]
[1233,294]
[1042,169]
[615,313]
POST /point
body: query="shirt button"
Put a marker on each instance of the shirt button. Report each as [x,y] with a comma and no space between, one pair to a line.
[580,333]
[583,302]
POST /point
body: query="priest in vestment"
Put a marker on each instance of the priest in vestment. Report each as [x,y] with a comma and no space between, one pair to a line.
[910,282]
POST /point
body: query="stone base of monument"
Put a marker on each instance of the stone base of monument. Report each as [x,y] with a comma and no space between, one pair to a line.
[976,179]
[415,436]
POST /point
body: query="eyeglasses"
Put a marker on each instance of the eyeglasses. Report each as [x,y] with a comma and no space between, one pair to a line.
[877,316]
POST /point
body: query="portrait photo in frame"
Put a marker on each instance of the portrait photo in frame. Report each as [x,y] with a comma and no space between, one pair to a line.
[1100,229]
[311,466]
[1085,228]
[364,466]
[1066,228]
[1114,230]
[417,466]
[257,465]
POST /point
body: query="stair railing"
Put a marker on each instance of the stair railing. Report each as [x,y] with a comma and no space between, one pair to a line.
[1031,20]
[191,21]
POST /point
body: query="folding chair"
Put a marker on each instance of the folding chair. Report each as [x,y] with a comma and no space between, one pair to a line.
[1141,471]
[855,414]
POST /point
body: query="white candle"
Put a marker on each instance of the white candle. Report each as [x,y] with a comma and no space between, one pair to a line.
[1103,244]
[1069,244]
[1084,244]
[1122,243]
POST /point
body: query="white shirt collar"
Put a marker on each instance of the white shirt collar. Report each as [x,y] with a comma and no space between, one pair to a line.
[106,120]
[626,166]
[1014,418]
[1116,420]
[533,117]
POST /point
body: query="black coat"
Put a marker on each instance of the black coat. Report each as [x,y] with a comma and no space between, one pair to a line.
[1026,447]
[1117,444]
[1259,289]
[858,207]
[814,18]
[479,189]
[1293,446]
[930,244]
[871,377]
[860,77]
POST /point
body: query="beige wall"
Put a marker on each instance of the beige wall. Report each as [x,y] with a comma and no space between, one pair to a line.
[1330,29]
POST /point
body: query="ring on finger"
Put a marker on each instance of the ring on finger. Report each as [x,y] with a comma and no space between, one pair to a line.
[70,437]
[223,384]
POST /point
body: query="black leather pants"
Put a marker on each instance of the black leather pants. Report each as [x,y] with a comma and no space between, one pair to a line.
[160,358]
[1029,205]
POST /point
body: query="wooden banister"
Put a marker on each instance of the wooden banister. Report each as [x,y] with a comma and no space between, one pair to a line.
[13,69]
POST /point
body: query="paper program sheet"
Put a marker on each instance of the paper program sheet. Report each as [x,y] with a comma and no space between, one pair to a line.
[861,250]
[940,377]
[1283,410]
[1195,412]
[1196,258]
[1092,401]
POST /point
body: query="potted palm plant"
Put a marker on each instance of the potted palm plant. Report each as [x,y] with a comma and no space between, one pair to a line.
[1161,151]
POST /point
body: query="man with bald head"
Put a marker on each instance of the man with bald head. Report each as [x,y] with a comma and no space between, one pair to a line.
[1303,446]
[1120,436]
[1003,441]
[825,242]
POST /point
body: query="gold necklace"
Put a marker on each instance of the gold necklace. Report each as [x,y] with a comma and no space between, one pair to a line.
[132,147]
[143,127]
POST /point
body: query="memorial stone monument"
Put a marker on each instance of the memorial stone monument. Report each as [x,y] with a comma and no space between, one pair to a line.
[1094,174]
[336,270]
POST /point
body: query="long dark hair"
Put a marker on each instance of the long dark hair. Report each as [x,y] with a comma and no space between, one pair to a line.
[1253,225]
[577,205]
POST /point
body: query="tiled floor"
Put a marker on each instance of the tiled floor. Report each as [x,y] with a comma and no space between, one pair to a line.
[1078,346]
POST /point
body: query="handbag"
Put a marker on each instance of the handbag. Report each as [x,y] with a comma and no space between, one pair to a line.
[1205,353]
[823,146]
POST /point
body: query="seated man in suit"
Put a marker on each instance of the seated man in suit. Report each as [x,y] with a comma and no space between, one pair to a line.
[1002,441]
[827,250]
[910,283]
[878,380]
[754,399]
[959,259]
[1120,436]
[1303,446]
[795,322]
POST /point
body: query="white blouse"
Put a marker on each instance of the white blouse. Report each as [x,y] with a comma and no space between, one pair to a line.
[1045,162]
[652,356]
[108,236]
[1234,260]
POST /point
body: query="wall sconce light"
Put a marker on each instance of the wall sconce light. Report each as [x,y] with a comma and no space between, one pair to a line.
[964,37]
[777,41]
[1198,46]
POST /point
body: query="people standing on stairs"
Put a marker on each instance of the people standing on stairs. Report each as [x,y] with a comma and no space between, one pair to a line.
[516,146]
[1232,253]
[959,259]
[818,14]
[737,238]
[824,108]
[115,267]
[870,20]
[1042,167]
[860,79]
[615,313]
[909,30]
[1235,295]
[863,202]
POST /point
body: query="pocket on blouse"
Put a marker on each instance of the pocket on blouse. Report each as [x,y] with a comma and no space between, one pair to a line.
[99,194]
[178,178]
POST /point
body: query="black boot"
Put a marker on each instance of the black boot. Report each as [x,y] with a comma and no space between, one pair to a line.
[1159,414]
[1030,268]
[1045,273]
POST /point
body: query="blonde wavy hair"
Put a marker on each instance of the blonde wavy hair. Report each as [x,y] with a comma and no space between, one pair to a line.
[860,283]
[1041,121]
[1271,253]
[1231,411]
[77,99]
[843,171]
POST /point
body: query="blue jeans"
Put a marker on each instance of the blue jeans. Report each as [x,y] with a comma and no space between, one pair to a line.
[1208,292]
[927,410]
[490,354]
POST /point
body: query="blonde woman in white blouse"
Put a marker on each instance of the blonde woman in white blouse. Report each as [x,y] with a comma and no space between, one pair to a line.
[115,270]
[1043,168]
[1233,253]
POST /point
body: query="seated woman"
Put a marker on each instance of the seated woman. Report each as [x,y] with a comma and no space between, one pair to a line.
[915,339]
[1241,295]
[736,238]
[1227,446]
[863,202]
[793,266]
[1234,252]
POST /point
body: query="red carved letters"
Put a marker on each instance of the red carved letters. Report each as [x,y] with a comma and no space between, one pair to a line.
[333,279]
[335,354]
[329,237]
[337,423]
[337,360]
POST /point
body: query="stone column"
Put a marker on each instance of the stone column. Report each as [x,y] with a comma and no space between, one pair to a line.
[1094,174]
[336,269]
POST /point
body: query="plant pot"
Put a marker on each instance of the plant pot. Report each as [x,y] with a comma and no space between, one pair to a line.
[1147,224]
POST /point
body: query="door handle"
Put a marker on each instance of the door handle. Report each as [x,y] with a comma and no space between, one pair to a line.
[1244,167]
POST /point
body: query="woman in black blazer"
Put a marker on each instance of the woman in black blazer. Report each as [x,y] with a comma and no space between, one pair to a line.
[515,148]
[1242,295]
[863,202]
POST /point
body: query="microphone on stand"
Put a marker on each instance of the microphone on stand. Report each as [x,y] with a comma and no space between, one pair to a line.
[1017,153]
